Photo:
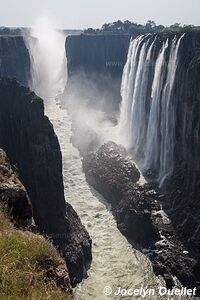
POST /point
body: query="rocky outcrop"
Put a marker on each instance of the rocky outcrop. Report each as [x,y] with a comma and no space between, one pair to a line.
[114,175]
[139,214]
[58,274]
[14,58]
[27,136]
[13,195]
[95,66]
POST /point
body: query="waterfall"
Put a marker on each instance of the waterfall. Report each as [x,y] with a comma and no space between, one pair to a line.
[148,109]
[46,46]
[168,106]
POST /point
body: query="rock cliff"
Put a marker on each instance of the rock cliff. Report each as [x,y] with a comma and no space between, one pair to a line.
[14,58]
[13,195]
[184,186]
[95,66]
[28,137]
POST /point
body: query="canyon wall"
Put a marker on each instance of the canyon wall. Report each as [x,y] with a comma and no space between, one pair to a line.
[27,136]
[95,66]
[184,185]
[13,195]
[14,58]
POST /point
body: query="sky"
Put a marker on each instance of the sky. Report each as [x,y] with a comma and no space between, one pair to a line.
[81,14]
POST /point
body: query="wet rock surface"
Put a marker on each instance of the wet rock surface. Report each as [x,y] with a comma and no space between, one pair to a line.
[139,215]
[28,138]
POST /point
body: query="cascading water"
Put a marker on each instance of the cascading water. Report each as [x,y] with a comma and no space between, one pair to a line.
[147,118]
[115,262]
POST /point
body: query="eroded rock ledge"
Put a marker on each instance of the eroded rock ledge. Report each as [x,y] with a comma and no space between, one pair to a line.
[139,214]
[27,136]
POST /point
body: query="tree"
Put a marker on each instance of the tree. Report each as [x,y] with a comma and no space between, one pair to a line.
[105,27]
[187,28]
[90,30]
[150,25]
[159,28]
[176,27]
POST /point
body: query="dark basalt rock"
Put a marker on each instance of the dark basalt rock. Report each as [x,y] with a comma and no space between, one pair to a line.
[27,136]
[13,195]
[99,53]
[114,175]
[95,66]
[139,214]
[14,58]
[58,274]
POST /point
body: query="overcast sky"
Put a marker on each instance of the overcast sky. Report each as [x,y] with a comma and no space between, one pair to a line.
[81,14]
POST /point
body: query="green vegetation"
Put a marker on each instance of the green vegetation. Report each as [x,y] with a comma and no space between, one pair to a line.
[10,31]
[128,27]
[36,98]
[22,270]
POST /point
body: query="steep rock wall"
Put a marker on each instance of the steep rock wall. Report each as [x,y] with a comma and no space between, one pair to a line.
[13,195]
[28,137]
[14,58]
[186,174]
[95,66]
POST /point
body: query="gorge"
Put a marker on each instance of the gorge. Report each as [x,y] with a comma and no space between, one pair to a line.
[90,206]
[157,123]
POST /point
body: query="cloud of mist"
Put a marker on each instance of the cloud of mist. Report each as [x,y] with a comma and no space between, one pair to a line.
[48,59]
[89,100]
[94,120]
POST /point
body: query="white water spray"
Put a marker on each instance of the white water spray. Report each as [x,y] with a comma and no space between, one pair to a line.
[48,59]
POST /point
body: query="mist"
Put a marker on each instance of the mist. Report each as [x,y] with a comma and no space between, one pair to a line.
[89,105]
[94,118]
[48,59]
